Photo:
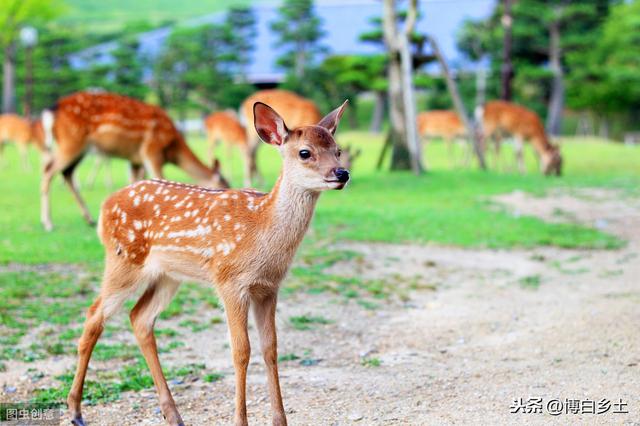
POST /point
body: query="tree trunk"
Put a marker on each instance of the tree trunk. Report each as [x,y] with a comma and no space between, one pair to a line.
[378,112]
[8,81]
[408,98]
[556,102]
[400,154]
[507,66]
[404,155]
[457,102]
[481,86]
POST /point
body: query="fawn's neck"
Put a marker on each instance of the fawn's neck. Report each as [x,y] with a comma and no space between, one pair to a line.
[541,144]
[188,162]
[290,210]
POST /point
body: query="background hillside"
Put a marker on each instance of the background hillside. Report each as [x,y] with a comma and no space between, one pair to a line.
[103,15]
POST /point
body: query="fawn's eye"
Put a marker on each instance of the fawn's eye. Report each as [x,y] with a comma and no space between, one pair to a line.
[304,154]
[339,153]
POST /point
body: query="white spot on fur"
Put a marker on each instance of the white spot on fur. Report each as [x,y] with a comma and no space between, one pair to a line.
[137,224]
[199,231]
[136,201]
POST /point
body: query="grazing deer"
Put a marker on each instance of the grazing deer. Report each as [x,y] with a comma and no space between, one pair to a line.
[524,125]
[158,233]
[23,132]
[444,124]
[224,127]
[296,110]
[117,126]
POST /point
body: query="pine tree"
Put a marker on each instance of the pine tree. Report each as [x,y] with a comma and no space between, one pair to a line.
[300,31]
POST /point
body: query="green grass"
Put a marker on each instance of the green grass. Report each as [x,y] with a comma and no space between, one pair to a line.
[531,282]
[443,206]
[134,376]
[371,362]
[306,322]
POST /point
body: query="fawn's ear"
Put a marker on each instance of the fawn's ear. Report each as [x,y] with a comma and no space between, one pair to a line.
[331,120]
[269,125]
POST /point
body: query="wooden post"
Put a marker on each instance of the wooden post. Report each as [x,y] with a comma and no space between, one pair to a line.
[507,66]
[403,131]
[474,137]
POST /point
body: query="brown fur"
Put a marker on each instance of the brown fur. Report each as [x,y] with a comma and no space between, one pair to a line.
[22,132]
[225,127]
[295,110]
[118,126]
[158,233]
[525,126]
[444,124]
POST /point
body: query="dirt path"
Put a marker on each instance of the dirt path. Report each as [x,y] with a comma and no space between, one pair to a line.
[483,328]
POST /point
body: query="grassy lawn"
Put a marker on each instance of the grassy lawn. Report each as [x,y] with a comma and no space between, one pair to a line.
[42,308]
[448,206]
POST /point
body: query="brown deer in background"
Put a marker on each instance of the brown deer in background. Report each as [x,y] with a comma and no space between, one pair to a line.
[23,133]
[116,126]
[444,124]
[525,126]
[225,127]
[296,111]
[158,233]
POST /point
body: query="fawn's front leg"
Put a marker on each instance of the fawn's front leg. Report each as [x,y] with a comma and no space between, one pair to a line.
[237,309]
[264,311]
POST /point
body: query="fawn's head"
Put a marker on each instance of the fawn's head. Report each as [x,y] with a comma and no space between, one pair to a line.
[552,161]
[311,157]
[216,180]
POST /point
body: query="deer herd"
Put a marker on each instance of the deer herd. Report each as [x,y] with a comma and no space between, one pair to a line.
[158,233]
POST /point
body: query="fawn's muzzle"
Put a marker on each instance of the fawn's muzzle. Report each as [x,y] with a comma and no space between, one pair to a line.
[342,175]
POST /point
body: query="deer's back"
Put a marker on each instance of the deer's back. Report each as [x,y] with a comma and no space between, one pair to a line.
[294,109]
[14,128]
[225,126]
[443,123]
[115,124]
[207,235]
[514,119]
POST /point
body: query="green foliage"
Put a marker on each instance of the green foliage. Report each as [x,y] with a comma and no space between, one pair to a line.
[241,32]
[198,65]
[300,31]
[127,70]
[607,76]
[579,27]
[14,14]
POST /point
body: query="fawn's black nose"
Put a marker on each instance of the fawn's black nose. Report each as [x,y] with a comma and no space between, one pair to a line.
[342,174]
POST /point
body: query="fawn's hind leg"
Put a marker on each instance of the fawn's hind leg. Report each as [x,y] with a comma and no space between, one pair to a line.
[117,284]
[143,317]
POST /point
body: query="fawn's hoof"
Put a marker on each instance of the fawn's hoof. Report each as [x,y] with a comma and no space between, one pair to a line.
[78,421]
